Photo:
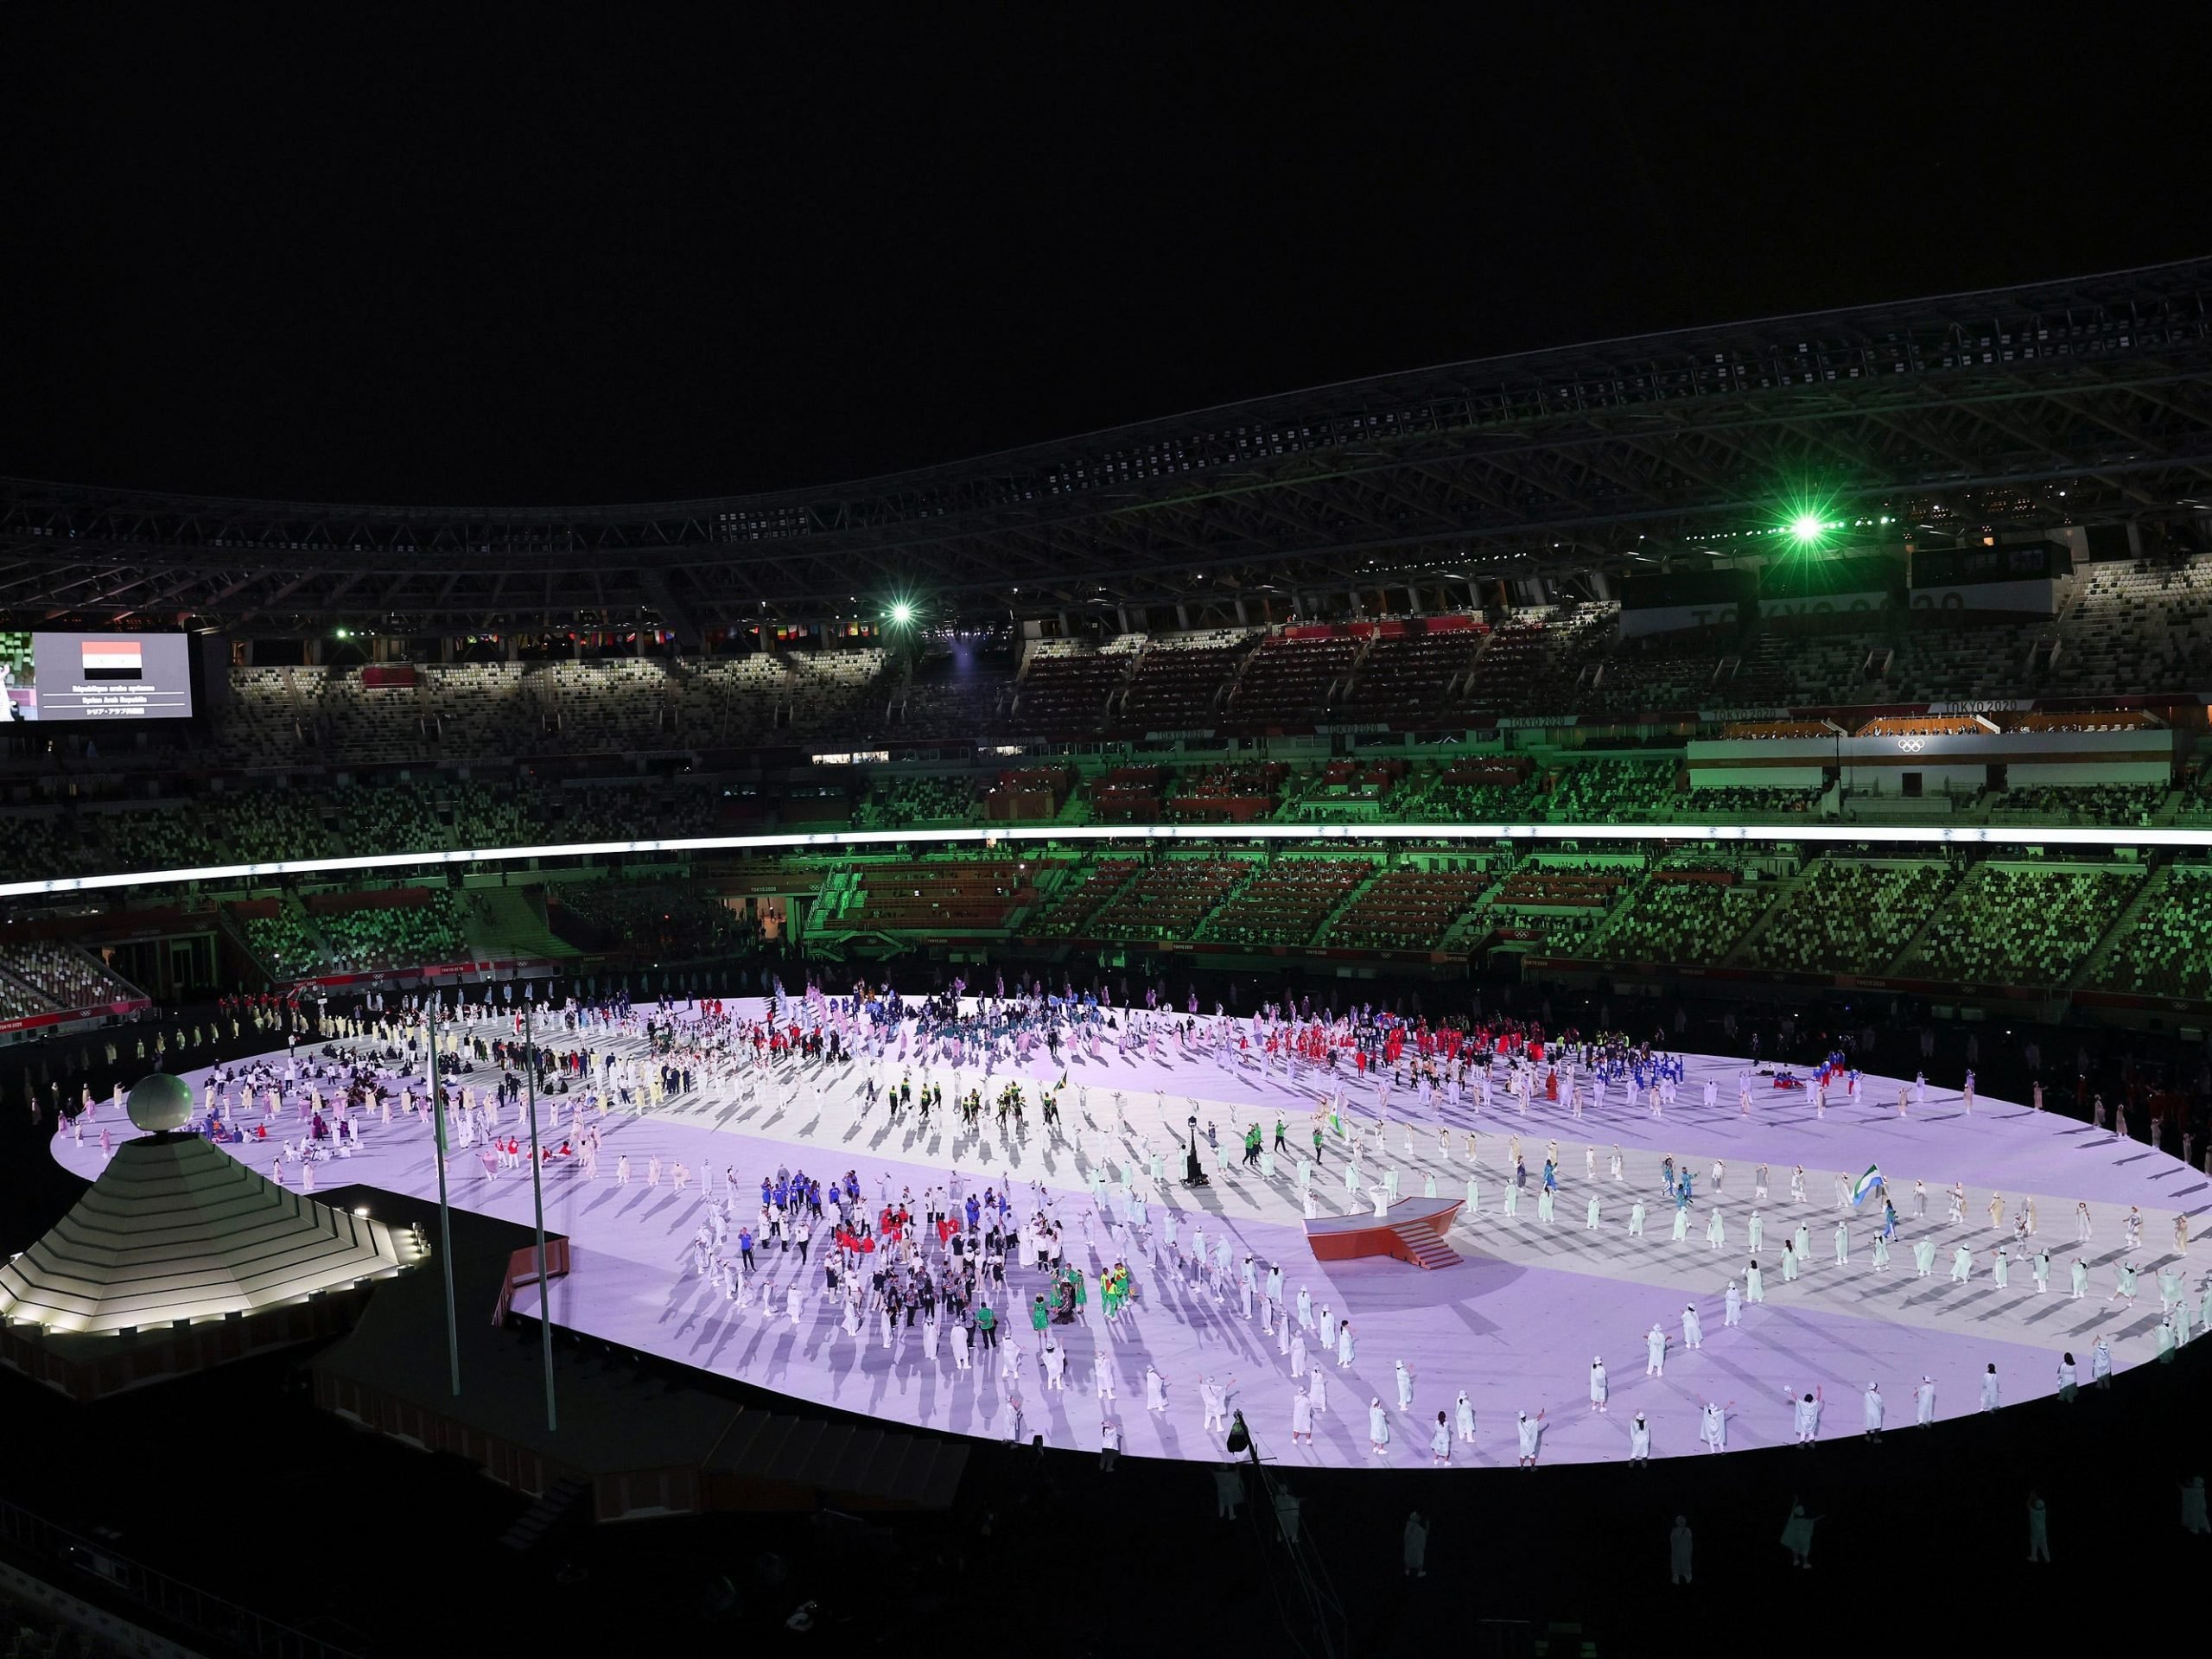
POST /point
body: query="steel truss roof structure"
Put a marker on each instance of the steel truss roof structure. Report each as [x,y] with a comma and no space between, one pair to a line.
[1978,409]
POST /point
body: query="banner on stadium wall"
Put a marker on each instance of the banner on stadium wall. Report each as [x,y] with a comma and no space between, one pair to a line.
[428,970]
[1534,722]
[62,1016]
[1721,716]
[2020,598]
[1678,619]
[1961,567]
[1864,603]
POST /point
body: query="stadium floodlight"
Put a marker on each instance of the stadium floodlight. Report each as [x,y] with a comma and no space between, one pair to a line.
[902,612]
[1806,520]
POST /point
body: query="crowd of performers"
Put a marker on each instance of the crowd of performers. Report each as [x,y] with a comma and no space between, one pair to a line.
[892,1269]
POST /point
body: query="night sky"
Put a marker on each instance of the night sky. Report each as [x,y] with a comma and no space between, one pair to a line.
[292,254]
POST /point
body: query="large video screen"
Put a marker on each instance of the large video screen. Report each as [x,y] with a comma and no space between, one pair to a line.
[103,676]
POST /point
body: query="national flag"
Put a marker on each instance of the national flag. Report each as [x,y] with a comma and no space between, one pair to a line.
[112,659]
[1866,1184]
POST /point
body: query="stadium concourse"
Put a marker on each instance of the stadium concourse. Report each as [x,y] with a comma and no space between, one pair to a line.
[1602,1270]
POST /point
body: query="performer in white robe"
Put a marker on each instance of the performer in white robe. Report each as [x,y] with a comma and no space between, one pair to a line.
[1655,1352]
[1797,1535]
[1464,1415]
[1597,1388]
[1873,1411]
[1531,1437]
[1805,1412]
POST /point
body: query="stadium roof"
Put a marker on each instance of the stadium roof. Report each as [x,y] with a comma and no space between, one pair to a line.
[2080,401]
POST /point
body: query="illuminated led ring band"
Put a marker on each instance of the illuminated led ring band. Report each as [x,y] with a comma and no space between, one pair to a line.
[853,840]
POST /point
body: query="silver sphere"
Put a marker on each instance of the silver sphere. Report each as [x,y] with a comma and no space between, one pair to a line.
[161,1101]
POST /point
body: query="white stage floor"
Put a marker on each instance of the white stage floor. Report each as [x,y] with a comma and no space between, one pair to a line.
[1515,1326]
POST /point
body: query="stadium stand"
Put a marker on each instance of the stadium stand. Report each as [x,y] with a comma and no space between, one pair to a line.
[1288,680]
[1408,677]
[1229,794]
[1686,921]
[1615,791]
[959,894]
[2012,924]
[1287,900]
[1409,908]
[1169,899]
[37,977]
[670,921]
[1478,791]
[367,937]
[1741,800]
[2114,803]
[1847,916]
[2159,949]
[1079,895]
[1072,687]
[1180,680]
[284,943]
[899,803]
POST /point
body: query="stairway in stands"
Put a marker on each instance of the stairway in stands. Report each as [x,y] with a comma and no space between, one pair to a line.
[508,925]
[1424,1247]
[534,1522]
[2153,889]
[1321,932]
[773,1460]
[1739,953]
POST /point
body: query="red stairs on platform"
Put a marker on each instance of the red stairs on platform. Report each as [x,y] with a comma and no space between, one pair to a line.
[1424,1248]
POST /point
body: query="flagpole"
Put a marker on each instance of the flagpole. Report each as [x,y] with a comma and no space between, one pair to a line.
[537,1199]
[445,1212]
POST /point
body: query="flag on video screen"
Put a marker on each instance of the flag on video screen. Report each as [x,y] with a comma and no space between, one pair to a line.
[113,659]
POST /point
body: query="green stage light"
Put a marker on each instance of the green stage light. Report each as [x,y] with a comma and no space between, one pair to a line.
[1807,527]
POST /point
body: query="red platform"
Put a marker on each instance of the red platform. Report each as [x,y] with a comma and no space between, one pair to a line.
[1413,1232]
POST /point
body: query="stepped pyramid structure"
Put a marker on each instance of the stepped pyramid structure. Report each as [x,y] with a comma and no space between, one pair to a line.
[180,1248]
